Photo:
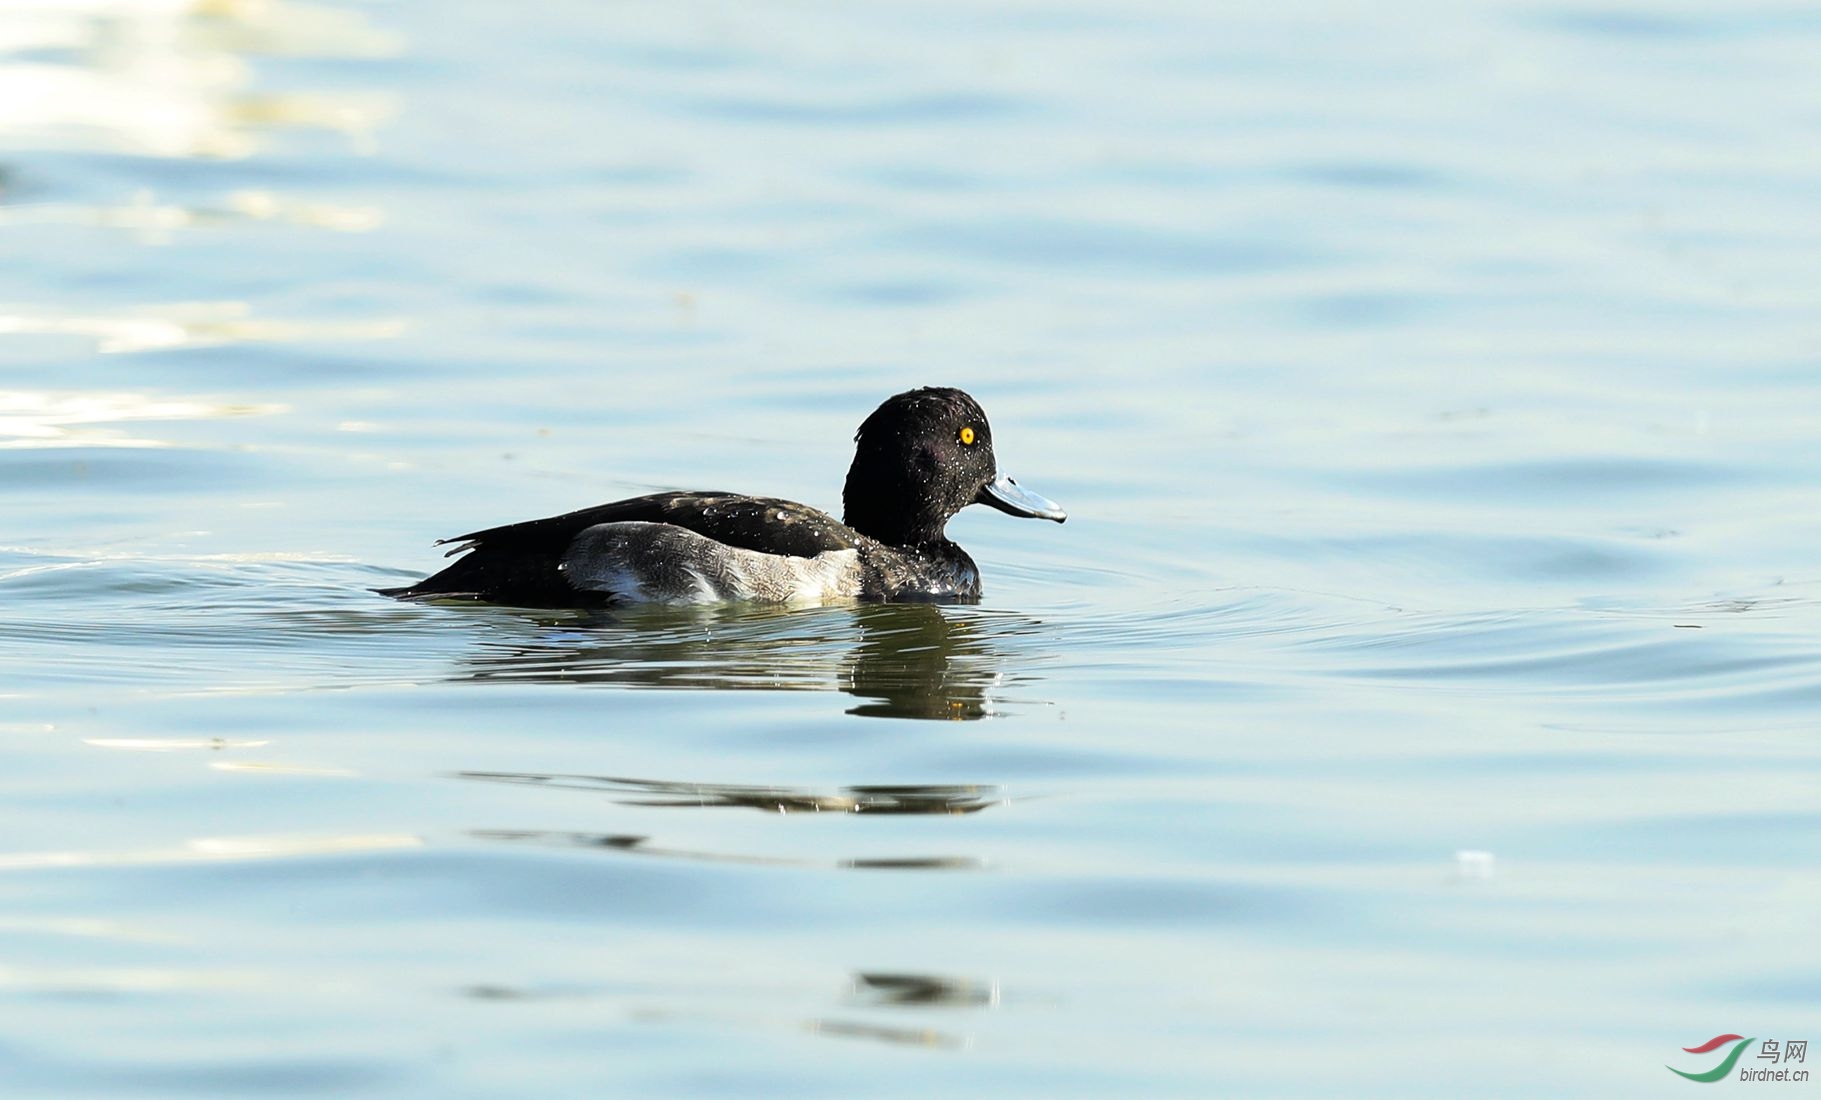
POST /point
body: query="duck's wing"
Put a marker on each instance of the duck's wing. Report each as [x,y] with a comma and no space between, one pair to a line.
[518,562]
[765,524]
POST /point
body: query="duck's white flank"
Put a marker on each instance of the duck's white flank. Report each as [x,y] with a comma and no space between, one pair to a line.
[662,563]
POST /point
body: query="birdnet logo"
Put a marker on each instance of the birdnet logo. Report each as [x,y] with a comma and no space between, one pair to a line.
[1778,1052]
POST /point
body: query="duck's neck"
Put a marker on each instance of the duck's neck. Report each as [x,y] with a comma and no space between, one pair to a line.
[884,505]
[893,528]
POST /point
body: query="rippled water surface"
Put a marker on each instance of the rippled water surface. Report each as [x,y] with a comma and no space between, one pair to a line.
[1422,699]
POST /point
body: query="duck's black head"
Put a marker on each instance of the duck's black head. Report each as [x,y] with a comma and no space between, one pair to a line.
[920,458]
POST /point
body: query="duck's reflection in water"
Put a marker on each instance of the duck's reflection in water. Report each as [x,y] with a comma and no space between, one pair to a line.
[899,660]
[916,799]
[930,799]
[871,1007]
[633,844]
[922,991]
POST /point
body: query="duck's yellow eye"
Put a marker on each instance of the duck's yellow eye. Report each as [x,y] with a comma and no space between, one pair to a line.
[967,437]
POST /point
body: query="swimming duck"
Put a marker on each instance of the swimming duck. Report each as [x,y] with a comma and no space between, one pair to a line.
[919,458]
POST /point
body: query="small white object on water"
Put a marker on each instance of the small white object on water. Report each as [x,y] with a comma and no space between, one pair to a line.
[1473,863]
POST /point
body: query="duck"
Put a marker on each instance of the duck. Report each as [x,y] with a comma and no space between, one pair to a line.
[920,458]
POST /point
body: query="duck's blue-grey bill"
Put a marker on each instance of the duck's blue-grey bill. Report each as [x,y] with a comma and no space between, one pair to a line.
[1008,496]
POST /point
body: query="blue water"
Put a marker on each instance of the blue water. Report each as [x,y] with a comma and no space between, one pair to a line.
[1421,700]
